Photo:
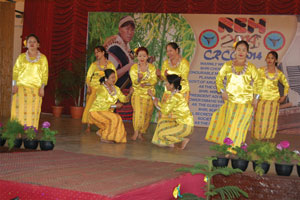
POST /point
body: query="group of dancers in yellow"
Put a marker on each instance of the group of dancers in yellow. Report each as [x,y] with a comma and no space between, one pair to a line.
[176,121]
[250,93]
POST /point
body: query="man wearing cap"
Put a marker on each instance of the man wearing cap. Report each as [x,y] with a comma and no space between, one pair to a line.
[119,50]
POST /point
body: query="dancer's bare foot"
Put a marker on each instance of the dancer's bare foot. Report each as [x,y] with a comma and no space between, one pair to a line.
[107,141]
[88,129]
[135,135]
[141,137]
[98,133]
[171,145]
[184,143]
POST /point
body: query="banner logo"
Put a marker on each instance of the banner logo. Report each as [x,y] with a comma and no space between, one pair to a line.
[274,41]
[208,39]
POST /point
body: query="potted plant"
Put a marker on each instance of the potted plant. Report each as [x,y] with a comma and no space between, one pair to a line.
[297,159]
[226,192]
[223,152]
[241,158]
[262,154]
[71,82]
[283,159]
[30,142]
[2,140]
[13,131]
[48,137]
[58,98]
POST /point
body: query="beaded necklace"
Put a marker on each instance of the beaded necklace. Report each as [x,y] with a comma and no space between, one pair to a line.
[148,72]
[267,74]
[239,73]
[36,59]
[99,66]
[176,65]
[112,93]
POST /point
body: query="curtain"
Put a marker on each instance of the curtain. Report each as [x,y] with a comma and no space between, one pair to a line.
[62,24]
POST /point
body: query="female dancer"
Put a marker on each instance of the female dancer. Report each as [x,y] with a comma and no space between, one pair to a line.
[233,118]
[265,119]
[30,75]
[110,124]
[95,72]
[175,65]
[178,121]
[143,78]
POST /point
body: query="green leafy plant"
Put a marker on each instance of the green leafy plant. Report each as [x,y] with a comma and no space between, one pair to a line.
[261,152]
[47,133]
[71,81]
[242,152]
[296,156]
[282,154]
[222,149]
[226,192]
[30,132]
[12,130]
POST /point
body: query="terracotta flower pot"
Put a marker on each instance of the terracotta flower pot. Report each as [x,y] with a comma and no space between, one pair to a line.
[57,110]
[76,112]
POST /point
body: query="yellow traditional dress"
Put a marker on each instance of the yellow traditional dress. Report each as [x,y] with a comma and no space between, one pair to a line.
[177,123]
[110,124]
[29,74]
[182,70]
[93,76]
[233,118]
[264,125]
[141,102]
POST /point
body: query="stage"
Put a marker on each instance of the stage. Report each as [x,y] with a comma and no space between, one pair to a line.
[83,168]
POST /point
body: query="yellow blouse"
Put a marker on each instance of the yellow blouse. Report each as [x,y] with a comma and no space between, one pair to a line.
[270,90]
[104,100]
[181,70]
[149,78]
[239,87]
[96,72]
[29,74]
[178,108]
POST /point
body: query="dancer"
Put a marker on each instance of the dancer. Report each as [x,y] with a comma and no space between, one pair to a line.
[265,124]
[175,65]
[233,118]
[110,124]
[143,77]
[178,121]
[95,72]
[30,76]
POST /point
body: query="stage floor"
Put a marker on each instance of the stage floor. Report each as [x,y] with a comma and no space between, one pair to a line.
[73,138]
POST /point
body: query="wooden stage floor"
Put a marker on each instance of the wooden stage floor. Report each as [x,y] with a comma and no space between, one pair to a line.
[71,137]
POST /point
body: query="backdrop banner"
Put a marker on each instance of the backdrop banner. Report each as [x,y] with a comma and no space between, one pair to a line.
[206,41]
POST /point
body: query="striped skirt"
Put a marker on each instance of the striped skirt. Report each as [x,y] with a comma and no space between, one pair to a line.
[142,112]
[26,106]
[110,124]
[90,98]
[231,120]
[264,125]
[168,131]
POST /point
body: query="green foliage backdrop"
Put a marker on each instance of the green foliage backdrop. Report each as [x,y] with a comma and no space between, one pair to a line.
[153,31]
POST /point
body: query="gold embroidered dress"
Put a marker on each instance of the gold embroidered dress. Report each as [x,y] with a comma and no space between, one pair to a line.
[264,125]
[141,102]
[233,118]
[29,77]
[110,124]
[93,76]
[182,70]
[177,123]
